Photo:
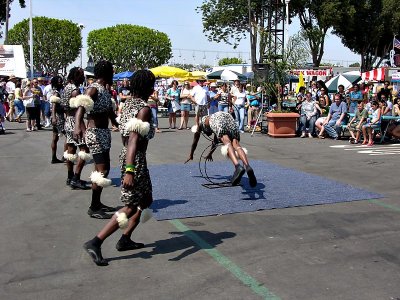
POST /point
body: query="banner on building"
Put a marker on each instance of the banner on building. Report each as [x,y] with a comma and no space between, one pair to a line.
[12,61]
[311,72]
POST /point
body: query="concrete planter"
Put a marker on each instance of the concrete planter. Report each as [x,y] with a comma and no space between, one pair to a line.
[282,125]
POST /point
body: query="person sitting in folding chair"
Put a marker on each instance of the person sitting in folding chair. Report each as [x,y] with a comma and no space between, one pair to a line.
[226,131]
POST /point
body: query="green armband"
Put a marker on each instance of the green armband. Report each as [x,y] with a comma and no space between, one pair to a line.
[130,168]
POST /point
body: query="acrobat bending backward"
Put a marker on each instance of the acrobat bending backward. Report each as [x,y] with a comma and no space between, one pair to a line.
[225,130]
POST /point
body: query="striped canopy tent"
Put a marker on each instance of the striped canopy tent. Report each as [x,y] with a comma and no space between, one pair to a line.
[227,75]
[346,79]
[374,75]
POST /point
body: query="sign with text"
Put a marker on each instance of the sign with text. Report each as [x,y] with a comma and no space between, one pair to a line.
[320,72]
[12,61]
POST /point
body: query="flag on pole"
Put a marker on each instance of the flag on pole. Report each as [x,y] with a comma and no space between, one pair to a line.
[301,82]
[396,43]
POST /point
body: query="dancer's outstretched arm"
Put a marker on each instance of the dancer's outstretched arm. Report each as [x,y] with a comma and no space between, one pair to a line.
[212,149]
[196,138]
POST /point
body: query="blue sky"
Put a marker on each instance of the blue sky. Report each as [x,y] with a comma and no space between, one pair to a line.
[176,18]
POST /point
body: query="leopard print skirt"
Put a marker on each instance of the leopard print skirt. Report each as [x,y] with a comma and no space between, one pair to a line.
[141,194]
[98,140]
[69,130]
[59,128]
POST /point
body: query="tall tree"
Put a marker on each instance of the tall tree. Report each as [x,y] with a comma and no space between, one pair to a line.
[3,11]
[130,47]
[229,21]
[316,17]
[297,51]
[373,38]
[56,43]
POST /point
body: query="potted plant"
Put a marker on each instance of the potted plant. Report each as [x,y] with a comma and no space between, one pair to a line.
[281,123]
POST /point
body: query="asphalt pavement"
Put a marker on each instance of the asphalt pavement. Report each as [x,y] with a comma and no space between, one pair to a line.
[339,251]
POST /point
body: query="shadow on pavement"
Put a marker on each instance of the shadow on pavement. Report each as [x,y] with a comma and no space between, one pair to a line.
[182,242]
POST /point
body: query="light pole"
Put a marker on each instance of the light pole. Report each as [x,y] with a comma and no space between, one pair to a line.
[81,26]
[287,23]
[30,38]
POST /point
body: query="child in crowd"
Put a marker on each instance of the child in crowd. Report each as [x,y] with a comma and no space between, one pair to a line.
[356,123]
[373,122]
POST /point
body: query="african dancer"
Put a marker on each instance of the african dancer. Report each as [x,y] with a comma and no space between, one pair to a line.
[137,128]
[75,78]
[226,131]
[97,104]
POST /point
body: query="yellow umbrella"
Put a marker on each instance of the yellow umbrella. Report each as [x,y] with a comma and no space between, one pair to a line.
[167,72]
[301,82]
[199,74]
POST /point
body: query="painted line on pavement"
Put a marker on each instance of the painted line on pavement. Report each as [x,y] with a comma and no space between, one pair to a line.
[245,278]
[389,206]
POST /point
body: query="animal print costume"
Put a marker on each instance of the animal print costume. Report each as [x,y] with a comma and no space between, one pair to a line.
[221,123]
[70,120]
[99,139]
[59,127]
[143,187]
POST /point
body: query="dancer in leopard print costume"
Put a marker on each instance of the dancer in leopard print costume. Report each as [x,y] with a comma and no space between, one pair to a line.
[226,131]
[97,105]
[57,116]
[136,127]
[75,78]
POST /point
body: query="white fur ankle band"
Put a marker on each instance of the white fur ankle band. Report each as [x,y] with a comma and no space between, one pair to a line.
[122,220]
[84,156]
[85,101]
[224,150]
[55,99]
[138,126]
[70,157]
[98,178]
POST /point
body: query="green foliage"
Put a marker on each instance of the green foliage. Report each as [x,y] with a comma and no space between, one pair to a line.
[316,17]
[225,20]
[367,28]
[3,9]
[191,67]
[230,61]
[228,21]
[129,47]
[354,65]
[297,51]
[56,43]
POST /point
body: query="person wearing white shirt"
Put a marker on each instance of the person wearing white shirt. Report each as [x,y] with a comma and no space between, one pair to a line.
[200,97]
[239,100]
[235,87]
[10,89]
[47,93]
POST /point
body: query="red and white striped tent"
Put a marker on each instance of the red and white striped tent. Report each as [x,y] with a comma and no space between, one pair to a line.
[374,75]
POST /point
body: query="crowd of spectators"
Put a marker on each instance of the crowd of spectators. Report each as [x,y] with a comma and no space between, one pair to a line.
[202,98]
[358,110]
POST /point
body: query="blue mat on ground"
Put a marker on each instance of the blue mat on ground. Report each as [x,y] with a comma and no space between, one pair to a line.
[178,191]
